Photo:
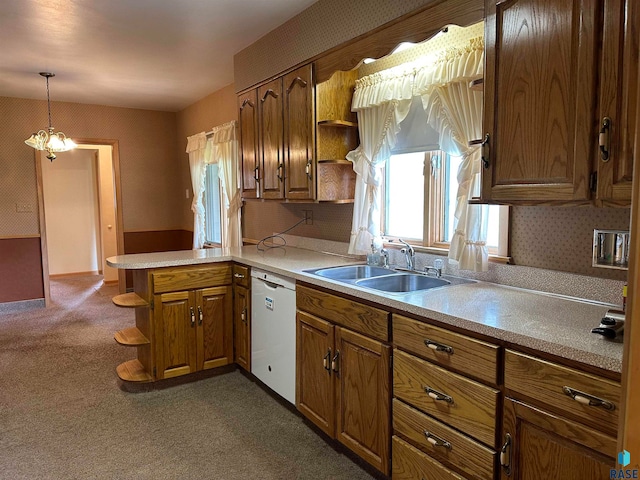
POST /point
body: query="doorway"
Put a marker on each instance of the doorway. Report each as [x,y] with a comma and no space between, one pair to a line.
[80,212]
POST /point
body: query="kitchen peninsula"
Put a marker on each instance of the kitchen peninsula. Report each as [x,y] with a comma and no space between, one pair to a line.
[501,352]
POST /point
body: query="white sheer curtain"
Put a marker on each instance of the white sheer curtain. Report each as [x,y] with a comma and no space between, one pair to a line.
[199,150]
[455,111]
[382,101]
[225,153]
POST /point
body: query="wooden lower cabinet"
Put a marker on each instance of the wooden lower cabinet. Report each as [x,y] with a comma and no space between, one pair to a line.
[242,326]
[194,330]
[343,386]
[539,444]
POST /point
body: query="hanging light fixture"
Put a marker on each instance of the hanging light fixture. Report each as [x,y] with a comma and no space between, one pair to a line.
[50,141]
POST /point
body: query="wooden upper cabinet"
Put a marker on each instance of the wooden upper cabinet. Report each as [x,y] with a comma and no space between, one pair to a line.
[617,101]
[271,140]
[540,100]
[248,137]
[299,131]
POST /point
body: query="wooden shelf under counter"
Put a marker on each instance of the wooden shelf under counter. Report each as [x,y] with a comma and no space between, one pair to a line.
[337,123]
[131,337]
[129,300]
[133,371]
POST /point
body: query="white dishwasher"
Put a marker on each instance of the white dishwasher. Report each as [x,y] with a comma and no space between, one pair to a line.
[273,332]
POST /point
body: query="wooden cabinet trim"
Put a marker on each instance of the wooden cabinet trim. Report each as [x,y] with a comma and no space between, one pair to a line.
[409,463]
[187,278]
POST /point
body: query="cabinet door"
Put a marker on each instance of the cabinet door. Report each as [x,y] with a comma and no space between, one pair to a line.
[539,109]
[242,315]
[248,133]
[617,101]
[315,388]
[363,377]
[299,134]
[543,445]
[215,327]
[271,140]
[175,324]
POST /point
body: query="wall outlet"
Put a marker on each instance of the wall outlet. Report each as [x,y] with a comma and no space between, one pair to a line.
[24,207]
[308,217]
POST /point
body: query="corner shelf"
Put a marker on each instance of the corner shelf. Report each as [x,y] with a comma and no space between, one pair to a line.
[129,300]
[131,337]
[133,371]
[476,84]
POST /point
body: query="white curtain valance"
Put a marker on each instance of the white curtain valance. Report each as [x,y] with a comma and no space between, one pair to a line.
[224,133]
[196,142]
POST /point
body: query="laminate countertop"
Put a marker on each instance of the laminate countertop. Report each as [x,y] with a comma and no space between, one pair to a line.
[556,325]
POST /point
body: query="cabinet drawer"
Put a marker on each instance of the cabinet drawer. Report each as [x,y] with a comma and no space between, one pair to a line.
[241,276]
[473,458]
[473,357]
[546,381]
[409,463]
[464,404]
[356,316]
[186,278]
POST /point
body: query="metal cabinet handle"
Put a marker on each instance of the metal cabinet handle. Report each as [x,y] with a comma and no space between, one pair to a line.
[193,317]
[485,151]
[279,171]
[256,173]
[243,315]
[238,275]
[438,396]
[586,399]
[437,441]
[335,363]
[505,455]
[307,169]
[200,315]
[326,360]
[604,139]
[438,347]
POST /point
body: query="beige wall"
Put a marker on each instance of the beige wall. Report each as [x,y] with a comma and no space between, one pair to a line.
[148,167]
[213,110]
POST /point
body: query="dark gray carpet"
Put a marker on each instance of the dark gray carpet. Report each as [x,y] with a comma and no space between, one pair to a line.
[62,415]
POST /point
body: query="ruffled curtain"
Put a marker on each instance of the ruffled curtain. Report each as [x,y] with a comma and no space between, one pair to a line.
[455,111]
[382,101]
[199,152]
[225,152]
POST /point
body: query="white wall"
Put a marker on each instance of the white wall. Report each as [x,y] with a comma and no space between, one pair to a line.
[71,212]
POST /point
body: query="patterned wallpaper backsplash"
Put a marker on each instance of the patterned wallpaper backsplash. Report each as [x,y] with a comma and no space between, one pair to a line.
[549,238]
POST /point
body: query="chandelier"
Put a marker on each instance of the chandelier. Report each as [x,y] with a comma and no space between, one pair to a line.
[50,141]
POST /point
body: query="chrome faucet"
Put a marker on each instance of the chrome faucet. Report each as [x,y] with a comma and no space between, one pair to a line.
[409,254]
[384,257]
[437,268]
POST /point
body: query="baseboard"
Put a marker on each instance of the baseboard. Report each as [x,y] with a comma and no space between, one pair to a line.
[110,283]
[21,306]
[74,274]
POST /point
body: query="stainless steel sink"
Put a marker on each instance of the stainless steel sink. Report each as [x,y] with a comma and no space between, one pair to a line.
[404,282]
[353,272]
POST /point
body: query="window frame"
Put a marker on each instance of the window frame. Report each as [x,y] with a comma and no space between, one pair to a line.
[208,243]
[434,218]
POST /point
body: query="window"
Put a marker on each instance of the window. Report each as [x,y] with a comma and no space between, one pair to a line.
[419,203]
[212,206]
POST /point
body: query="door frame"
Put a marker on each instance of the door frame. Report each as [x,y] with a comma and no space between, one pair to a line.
[115,165]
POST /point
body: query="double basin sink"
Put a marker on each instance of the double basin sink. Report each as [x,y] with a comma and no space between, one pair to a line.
[382,279]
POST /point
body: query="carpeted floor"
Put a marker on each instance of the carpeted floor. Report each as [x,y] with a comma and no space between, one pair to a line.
[62,415]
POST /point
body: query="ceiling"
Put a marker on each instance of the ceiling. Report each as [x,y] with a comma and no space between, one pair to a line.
[149,54]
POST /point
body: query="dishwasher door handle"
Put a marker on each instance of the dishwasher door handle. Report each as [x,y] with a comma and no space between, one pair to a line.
[269,284]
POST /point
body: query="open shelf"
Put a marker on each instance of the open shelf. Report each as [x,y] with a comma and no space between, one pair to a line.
[133,371]
[336,160]
[337,123]
[129,300]
[131,337]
